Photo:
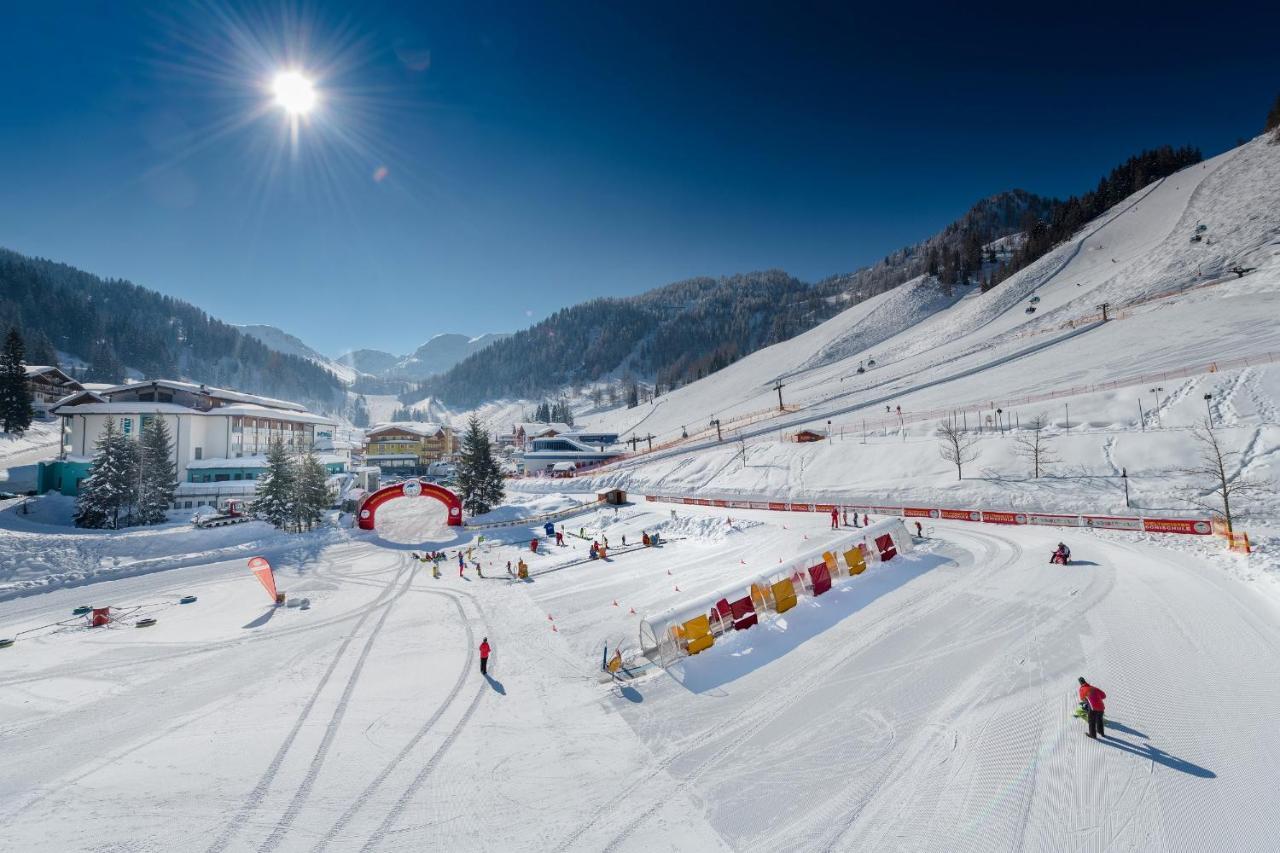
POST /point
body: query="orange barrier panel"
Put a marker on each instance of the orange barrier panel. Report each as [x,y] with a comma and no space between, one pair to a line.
[856,561]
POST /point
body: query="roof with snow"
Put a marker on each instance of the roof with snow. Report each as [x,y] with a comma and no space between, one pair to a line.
[210,391]
[257,461]
[535,428]
[50,372]
[141,407]
[424,429]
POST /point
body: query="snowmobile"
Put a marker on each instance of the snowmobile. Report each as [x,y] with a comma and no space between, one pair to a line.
[1061,556]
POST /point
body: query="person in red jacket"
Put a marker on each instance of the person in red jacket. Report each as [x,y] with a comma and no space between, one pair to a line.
[1092,699]
[835,518]
[484,656]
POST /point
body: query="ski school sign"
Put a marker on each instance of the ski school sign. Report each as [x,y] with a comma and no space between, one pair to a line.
[1137,524]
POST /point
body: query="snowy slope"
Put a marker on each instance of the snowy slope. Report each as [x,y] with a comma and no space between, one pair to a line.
[1210,333]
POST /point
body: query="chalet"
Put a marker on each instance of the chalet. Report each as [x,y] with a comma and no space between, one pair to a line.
[48,385]
[523,433]
[408,447]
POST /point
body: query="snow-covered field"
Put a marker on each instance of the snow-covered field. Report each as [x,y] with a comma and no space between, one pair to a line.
[924,705]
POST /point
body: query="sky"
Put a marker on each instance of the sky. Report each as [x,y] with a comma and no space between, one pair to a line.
[472,167]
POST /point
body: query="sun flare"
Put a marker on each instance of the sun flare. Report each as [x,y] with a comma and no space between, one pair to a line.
[293,92]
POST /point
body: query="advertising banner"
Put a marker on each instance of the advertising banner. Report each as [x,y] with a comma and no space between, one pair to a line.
[960,514]
[1111,522]
[1054,520]
[919,512]
[1195,527]
[1003,517]
[262,570]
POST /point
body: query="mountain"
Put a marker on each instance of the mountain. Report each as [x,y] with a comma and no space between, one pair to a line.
[370,362]
[281,341]
[119,328]
[684,331]
[435,356]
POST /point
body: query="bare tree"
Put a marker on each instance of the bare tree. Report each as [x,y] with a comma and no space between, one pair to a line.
[1213,466]
[956,446]
[1035,445]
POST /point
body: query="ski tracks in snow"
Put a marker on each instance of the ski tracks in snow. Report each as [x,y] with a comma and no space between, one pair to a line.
[255,797]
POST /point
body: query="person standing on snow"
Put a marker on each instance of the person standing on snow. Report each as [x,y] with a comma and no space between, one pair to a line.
[461,565]
[866,520]
[1092,698]
[835,518]
[919,530]
[484,656]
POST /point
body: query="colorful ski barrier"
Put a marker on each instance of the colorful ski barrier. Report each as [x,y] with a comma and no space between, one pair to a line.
[1142,524]
[691,628]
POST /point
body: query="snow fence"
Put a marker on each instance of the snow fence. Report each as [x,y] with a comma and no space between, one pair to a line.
[692,627]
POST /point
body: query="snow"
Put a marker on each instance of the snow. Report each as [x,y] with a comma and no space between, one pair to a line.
[922,705]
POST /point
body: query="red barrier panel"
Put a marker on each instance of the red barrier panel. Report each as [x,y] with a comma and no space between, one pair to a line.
[884,544]
[821,577]
[826,508]
[1177,525]
[719,503]
[778,506]
[961,515]
[919,512]
[802,507]
[886,510]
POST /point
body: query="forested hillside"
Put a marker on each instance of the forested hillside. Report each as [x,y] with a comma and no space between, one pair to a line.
[115,325]
[683,331]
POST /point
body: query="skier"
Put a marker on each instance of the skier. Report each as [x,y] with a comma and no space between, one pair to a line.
[479,571]
[595,550]
[624,540]
[866,520]
[461,565]
[835,519]
[549,528]
[919,530]
[1091,698]
[645,540]
[484,656]
[509,569]
[560,538]
[533,544]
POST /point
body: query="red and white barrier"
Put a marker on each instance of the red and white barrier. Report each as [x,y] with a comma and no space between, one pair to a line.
[1189,526]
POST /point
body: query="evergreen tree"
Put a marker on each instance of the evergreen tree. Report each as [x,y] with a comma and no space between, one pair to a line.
[111,485]
[40,349]
[159,475]
[275,498]
[360,413]
[479,477]
[1273,116]
[311,492]
[15,396]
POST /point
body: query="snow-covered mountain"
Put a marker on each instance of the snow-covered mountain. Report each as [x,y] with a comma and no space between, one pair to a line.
[281,341]
[435,356]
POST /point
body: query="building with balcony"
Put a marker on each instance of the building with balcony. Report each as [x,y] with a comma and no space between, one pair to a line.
[220,437]
[48,385]
[408,448]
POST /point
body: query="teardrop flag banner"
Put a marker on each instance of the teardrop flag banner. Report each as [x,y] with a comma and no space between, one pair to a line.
[260,567]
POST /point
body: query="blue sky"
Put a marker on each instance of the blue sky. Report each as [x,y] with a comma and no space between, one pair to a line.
[475,166]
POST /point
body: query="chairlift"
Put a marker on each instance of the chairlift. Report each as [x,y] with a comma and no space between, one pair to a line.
[1035,300]
[871,362]
[1031,309]
[861,369]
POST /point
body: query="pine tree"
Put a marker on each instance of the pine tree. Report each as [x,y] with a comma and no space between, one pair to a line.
[40,349]
[111,486]
[274,502]
[360,413]
[1273,116]
[479,477]
[158,478]
[15,396]
[311,492]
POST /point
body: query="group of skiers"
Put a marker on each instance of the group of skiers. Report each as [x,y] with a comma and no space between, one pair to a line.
[835,519]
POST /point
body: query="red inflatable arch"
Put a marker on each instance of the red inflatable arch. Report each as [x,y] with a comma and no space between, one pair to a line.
[409,489]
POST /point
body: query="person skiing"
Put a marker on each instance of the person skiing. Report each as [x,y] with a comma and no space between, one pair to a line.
[866,520]
[835,518]
[645,538]
[1092,698]
[533,544]
[919,530]
[549,528]
[560,538]
[484,656]
[595,550]
[461,565]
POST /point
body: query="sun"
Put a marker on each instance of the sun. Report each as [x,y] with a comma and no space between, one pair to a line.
[294,93]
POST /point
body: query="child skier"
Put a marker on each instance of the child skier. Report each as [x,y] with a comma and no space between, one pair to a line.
[835,518]
[485,651]
[1092,700]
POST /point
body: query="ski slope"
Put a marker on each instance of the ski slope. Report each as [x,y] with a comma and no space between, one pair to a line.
[924,705]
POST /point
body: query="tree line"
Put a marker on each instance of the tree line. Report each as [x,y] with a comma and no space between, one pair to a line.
[114,325]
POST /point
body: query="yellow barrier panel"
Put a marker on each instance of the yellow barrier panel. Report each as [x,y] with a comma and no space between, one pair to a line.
[701,644]
[832,566]
[784,595]
[857,562]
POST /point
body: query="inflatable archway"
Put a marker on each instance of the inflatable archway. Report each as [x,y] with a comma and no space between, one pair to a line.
[409,489]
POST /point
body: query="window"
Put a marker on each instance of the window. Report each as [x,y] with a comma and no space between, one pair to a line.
[238,476]
[221,478]
[199,451]
[186,505]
